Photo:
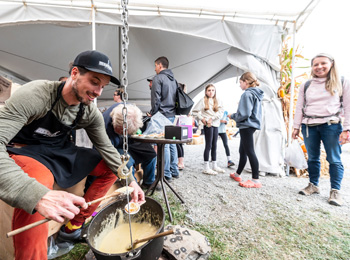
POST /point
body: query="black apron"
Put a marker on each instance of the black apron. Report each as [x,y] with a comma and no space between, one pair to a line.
[48,141]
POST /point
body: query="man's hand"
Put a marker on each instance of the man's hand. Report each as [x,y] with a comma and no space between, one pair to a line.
[137,195]
[58,205]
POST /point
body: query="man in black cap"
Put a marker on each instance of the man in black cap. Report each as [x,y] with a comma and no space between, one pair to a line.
[117,96]
[35,151]
[150,80]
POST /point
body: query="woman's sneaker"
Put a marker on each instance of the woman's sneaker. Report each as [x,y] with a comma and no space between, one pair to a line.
[230,163]
[219,170]
[310,189]
[236,177]
[210,172]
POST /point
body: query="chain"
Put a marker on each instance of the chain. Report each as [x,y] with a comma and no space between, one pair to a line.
[124,81]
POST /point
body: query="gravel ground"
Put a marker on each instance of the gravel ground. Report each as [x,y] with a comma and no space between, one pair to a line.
[217,199]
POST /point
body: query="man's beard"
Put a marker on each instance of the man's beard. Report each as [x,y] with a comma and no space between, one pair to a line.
[79,98]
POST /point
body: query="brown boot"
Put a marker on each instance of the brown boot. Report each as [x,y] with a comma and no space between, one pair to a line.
[310,189]
[335,198]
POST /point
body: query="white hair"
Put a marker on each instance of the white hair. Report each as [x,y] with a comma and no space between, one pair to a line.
[133,119]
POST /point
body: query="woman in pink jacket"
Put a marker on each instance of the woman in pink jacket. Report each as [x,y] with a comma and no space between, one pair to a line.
[320,104]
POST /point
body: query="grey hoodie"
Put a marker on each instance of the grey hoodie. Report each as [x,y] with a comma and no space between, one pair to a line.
[163,93]
[249,109]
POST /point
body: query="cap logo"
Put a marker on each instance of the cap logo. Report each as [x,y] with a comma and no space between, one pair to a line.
[107,66]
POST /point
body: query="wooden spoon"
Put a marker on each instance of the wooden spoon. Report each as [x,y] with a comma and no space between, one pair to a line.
[136,241]
[119,191]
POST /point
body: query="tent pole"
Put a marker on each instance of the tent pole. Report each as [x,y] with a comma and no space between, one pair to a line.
[120,72]
[291,103]
[93,24]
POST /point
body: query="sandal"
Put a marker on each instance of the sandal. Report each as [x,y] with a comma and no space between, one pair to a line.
[181,168]
[250,184]
[210,172]
[236,177]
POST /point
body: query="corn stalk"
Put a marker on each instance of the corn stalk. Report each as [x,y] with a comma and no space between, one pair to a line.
[284,93]
[285,58]
[286,78]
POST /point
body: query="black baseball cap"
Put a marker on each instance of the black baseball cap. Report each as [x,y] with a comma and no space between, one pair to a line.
[97,62]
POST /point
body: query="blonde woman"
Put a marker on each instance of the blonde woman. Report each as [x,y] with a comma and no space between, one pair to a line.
[248,119]
[209,111]
[319,105]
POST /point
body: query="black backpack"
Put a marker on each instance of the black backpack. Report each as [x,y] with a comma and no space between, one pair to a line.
[183,103]
[306,86]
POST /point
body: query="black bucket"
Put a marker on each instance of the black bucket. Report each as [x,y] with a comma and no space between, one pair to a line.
[151,212]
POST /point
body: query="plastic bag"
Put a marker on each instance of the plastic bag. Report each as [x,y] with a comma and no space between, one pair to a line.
[156,124]
[295,156]
[183,120]
[54,251]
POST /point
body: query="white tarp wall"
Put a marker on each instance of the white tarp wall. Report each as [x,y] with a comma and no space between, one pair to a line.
[29,30]
[270,140]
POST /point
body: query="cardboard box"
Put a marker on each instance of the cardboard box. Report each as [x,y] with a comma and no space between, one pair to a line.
[176,132]
[197,140]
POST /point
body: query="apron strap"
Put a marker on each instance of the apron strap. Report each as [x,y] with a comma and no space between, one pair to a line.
[81,106]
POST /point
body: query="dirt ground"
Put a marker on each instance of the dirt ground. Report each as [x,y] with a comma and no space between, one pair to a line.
[205,196]
[219,200]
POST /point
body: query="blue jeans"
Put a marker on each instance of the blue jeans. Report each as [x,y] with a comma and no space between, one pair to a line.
[148,168]
[329,135]
[170,159]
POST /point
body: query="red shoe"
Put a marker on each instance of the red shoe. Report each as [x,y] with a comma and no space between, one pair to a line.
[236,178]
[250,184]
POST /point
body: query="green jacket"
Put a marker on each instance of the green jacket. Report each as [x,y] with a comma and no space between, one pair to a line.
[31,102]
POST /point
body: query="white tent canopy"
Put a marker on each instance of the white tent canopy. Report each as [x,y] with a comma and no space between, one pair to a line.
[205,41]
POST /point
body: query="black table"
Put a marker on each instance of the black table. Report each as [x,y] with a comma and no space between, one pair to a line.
[161,142]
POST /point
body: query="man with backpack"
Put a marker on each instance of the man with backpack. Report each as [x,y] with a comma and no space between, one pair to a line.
[163,99]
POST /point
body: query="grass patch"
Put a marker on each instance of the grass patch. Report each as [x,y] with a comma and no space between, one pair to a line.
[77,253]
[315,235]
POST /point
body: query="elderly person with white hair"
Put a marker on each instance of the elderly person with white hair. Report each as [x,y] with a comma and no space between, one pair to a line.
[134,118]
[139,152]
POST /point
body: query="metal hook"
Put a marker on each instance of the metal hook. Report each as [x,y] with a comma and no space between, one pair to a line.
[121,174]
